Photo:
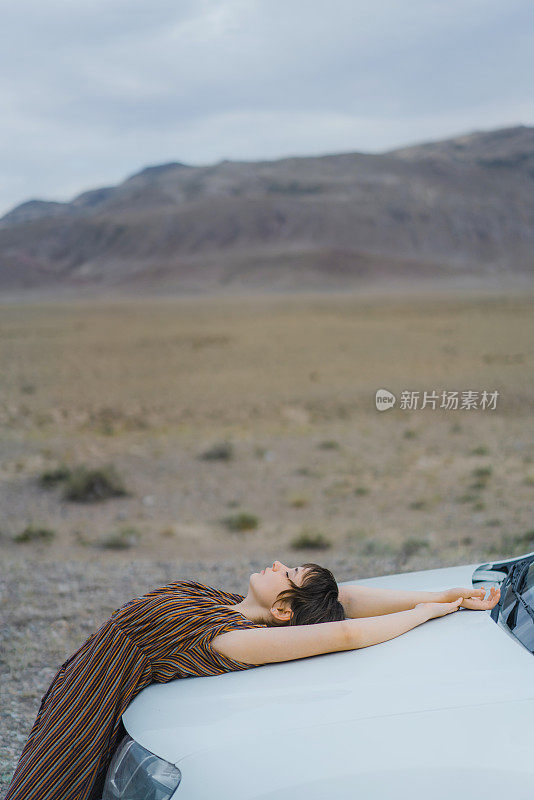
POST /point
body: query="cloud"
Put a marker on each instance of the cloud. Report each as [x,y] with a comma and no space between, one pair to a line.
[91,91]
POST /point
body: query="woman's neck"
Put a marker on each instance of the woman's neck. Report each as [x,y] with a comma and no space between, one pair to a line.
[249,609]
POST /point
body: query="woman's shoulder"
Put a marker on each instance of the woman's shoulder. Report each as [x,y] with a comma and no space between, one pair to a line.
[181,600]
[195,591]
[184,605]
[212,605]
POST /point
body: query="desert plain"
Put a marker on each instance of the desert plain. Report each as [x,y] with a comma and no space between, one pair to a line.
[244,429]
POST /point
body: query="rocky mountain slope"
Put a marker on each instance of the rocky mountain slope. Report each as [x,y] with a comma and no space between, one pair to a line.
[462,206]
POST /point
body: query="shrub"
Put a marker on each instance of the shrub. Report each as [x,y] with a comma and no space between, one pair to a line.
[355,535]
[307,472]
[467,498]
[91,485]
[409,433]
[515,544]
[34,534]
[482,473]
[361,490]
[412,546]
[328,444]
[220,451]
[339,488]
[120,540]
[374,547]
[526,538]
[105,420]
[418,505]
[241,522]
[80,538]
[310,540]
[481,450]
[52,476]
[298,501]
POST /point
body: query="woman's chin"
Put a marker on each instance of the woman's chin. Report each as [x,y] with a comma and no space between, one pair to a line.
[254,578]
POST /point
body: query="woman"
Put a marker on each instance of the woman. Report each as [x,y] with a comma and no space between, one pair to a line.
[187,629]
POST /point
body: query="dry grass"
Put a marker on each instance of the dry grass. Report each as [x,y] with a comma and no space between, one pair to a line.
[153,386]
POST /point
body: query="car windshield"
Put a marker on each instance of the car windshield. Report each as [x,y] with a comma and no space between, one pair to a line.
[517,601]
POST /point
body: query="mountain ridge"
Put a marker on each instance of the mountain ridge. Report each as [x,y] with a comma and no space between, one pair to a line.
[458,205]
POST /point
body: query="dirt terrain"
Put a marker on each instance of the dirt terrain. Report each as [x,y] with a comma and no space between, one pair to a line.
[280,392]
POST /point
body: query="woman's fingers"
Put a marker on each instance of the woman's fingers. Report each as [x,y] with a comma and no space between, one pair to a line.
[476,600]
[475,593]
[479,604]
[472,604]
[493,598]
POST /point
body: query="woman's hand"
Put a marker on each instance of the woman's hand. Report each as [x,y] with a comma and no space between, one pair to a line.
[479,604]
[433,610]
[474,598]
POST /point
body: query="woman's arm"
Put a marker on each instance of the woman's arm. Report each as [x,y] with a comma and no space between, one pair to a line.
[366,601]
[270,644]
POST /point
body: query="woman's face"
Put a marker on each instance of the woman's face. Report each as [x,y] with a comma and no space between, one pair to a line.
[267,584]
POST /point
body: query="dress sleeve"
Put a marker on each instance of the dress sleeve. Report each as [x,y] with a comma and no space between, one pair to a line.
[194,588]
[174,627]
[161,620]
[204,644]
[197,657]
[220,595]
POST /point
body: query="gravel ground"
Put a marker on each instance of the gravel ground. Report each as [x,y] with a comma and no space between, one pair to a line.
[49,608]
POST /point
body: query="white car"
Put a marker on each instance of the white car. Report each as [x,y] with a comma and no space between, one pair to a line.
[443,712]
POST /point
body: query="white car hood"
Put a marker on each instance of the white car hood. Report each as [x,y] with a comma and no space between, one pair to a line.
[452,682]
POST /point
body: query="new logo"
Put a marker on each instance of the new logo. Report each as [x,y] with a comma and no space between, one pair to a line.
[384,400]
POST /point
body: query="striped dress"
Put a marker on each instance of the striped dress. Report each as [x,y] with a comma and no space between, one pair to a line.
[162,635]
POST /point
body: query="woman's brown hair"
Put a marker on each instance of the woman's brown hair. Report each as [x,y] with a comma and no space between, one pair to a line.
[316,599]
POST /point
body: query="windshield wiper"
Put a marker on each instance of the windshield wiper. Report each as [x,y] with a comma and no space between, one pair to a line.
[516,576]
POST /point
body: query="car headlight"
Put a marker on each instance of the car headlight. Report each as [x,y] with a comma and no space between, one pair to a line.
[137,774]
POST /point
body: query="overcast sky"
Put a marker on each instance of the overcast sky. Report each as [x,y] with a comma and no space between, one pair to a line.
[92,91]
